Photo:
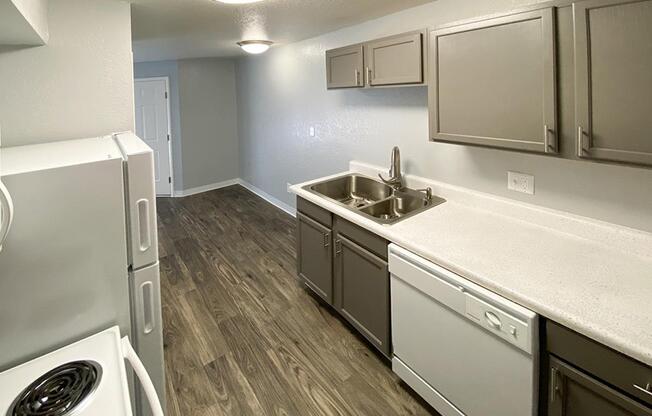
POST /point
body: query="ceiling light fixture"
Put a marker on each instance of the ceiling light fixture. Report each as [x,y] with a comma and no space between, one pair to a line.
[255,46]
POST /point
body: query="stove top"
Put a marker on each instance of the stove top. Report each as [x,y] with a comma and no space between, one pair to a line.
[86,378]
[60,391]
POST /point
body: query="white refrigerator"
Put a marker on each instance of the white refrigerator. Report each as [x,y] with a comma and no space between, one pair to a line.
[79,250]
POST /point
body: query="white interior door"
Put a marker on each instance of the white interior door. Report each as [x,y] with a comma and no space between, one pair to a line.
[153,126]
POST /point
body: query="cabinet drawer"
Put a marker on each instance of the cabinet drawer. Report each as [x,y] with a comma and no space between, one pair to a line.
[315,212]
[370,241]
[602,362]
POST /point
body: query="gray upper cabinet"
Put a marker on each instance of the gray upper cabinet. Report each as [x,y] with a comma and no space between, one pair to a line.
[613,90]
[392,61]
[395,60]
[314,256]
[344,67]
[493,82]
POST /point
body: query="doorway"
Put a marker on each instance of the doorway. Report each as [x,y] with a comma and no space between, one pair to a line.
[152,106]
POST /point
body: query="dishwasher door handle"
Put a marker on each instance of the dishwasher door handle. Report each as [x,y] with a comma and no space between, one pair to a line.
[493,320]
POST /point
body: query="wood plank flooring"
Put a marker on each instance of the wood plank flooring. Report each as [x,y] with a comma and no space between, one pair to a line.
[242,335]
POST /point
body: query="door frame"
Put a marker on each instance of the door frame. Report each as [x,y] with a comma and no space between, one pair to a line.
[169,113]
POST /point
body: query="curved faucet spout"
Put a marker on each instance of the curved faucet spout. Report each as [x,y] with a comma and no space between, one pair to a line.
[395,177]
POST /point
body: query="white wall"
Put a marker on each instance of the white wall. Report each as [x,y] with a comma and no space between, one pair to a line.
[282,93]
[35,11]
[23,22]
[207,105]
[79,85]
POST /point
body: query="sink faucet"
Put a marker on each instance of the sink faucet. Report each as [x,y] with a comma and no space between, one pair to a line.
[395,178]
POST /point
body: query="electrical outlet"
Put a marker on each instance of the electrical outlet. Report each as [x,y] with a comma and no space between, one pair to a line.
[520,182]
[311,131]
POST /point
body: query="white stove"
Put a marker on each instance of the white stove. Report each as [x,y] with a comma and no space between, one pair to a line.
[82,379]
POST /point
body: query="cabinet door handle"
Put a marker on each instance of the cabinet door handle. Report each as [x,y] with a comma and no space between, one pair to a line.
[555,390]
[581,150]
[368,76]
[647,389]
[547,143]
[357,77]
[327,239]
[338,247]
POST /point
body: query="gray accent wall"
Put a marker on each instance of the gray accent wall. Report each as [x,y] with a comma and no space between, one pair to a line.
[283,92]
[168,69]
[207,103]
[203,119]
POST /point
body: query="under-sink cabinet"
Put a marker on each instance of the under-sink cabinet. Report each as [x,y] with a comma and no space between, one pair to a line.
[586,378]
[493,82]
[391,61]
[346,266]
[314,256]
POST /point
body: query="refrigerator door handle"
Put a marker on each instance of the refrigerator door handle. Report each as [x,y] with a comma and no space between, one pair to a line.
[145,381]
[144,232]
[147,299]
[6,213]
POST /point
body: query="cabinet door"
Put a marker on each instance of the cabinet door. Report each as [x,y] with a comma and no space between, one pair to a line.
[613,55]
[362,291]
[314,256]
[492,82]
[573,393]
[344,67]
[395,60]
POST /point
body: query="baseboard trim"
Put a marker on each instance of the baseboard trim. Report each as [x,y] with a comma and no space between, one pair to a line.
[267,197]
[206,188]
[213,186]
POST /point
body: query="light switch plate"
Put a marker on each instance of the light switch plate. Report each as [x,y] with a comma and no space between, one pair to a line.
[520,182]
[311,131]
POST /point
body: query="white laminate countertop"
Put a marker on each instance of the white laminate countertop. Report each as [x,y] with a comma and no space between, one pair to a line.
[593,277]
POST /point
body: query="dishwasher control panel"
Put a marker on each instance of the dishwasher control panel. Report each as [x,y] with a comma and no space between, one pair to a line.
[499,322]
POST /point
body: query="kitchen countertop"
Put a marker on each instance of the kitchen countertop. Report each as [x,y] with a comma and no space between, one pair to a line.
[591,276]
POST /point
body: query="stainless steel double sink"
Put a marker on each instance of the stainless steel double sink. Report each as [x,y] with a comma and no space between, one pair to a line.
[374,199]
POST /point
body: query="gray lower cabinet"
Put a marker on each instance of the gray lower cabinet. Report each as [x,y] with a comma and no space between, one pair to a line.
[362,291]
[347,267]
[493,82]
[586,378]
[395,60]
[344,67]
[314,256]
[613,55]
[575,393]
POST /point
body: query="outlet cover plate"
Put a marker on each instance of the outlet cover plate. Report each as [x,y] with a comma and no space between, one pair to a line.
[520,182]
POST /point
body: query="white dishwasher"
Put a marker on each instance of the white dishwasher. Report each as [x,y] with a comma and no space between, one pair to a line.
[464,349]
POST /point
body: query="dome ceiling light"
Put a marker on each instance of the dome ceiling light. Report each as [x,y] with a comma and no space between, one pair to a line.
[255,46]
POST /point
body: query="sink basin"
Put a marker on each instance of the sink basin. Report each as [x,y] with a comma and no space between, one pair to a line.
[353,190]
[400,205]
[374,199]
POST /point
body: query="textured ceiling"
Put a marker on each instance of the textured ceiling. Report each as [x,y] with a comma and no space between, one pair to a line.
[175,29]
